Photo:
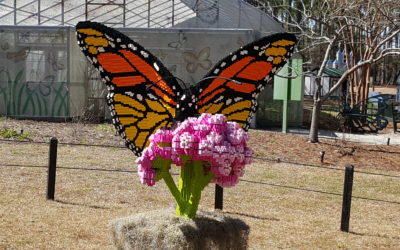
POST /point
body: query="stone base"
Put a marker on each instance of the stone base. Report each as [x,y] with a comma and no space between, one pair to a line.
[162,229]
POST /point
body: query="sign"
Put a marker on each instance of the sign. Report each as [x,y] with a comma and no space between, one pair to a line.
[286,88]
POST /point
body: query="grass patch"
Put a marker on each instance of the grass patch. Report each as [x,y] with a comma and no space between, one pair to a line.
[12,133]
[8,133]
[83,141]
[106,128]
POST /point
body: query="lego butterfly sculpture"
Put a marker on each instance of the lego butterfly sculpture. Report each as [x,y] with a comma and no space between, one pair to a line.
[144,96]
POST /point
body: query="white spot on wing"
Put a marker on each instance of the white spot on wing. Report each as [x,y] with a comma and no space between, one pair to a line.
[219,99]
[132,46]
[151,96]
[156,67]
[144,54]
[109,37]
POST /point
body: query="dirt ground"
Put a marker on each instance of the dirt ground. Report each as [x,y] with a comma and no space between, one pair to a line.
[293,204]
[266,144]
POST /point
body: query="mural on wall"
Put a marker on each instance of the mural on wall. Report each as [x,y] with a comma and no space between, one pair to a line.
[33,73]
[195,60]
[29,98]
[180,42]
[19,55]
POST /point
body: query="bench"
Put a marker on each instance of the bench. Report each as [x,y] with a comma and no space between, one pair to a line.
[396,116]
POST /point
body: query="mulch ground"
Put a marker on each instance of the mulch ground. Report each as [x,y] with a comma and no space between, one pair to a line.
[266,144]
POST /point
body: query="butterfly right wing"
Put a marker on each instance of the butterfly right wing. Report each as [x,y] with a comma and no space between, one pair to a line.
[142,93]
[232,87]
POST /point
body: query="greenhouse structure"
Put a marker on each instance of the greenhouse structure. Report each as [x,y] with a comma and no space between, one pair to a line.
[44,75]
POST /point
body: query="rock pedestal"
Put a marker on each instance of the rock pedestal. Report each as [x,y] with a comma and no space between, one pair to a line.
[162,229]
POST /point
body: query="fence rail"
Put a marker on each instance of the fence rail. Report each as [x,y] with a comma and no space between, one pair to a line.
[218,201]
[220,195]
[277,159]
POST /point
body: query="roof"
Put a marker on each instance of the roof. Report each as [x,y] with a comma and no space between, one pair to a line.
[337,73]
[225,14]
[331,72]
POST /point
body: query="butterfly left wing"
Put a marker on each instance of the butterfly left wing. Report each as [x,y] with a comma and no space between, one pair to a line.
[142,95]
[233,85]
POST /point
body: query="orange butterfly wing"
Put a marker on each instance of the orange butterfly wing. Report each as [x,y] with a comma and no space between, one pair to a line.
[233,85]
[142,93]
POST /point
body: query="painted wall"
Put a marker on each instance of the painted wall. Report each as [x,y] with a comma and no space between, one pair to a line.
[44,74]
[33,72]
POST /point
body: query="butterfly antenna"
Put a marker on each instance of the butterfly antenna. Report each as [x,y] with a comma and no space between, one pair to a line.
[182,81]
[221,77]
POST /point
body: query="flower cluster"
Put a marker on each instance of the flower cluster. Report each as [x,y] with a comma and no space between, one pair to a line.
[221,145]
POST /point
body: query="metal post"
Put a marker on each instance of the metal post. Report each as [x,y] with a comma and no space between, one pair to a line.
[347,192]
[173,13]
[39,12]
[322,155]
[219,196]
[148,14]
[62,12]
[51,174]
[124,14]
[284,115]
[285,112]
[86,10]
[15,12]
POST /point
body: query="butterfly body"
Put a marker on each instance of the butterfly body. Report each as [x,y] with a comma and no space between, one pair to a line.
[144,96]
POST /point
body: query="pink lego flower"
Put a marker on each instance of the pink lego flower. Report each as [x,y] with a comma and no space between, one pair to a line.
[208,138]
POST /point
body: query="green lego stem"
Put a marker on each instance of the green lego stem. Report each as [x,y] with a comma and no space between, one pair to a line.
[192,181]
[162,167]
[173,189]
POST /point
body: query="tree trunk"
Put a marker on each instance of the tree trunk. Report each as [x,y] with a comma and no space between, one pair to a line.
[313,137]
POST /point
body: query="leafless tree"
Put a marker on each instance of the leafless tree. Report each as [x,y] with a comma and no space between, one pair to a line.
[361,28]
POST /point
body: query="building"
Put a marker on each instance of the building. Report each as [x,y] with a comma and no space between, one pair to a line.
[43,74]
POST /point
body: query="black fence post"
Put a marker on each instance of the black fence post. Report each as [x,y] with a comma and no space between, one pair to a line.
[347,192]
[51,174]
[322,155]
[219,197]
